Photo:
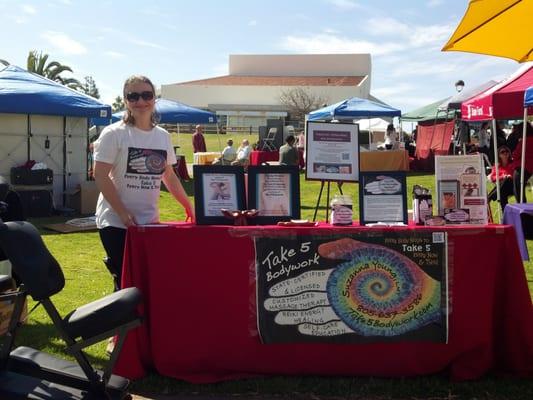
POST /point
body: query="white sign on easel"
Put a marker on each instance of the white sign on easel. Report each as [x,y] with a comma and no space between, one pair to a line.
[332,152]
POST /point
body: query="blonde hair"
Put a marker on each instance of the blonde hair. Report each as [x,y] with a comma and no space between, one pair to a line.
[128,117]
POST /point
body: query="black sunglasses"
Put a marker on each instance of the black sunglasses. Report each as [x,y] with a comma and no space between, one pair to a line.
[135,96]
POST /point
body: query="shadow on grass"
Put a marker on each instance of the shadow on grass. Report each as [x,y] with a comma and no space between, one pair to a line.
[45,337]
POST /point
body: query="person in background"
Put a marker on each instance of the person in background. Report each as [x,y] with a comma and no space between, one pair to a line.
[505,174]
[391,138]
[300,146]
[528,164]
[131,158]
[515,136]
[288,155]
[229,154]
[243,154]
[483,145]
[198,140]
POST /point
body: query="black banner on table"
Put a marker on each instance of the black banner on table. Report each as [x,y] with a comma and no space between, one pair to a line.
[359,288]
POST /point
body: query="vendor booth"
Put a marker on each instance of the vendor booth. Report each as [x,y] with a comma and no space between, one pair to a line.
[46,122]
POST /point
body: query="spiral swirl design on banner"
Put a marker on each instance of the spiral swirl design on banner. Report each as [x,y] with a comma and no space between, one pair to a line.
[380,292]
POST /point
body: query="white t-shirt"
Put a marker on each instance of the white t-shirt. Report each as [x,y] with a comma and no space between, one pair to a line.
[229,153]
[139,159]
[243,153]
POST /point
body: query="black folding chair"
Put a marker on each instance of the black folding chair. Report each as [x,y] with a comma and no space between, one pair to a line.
[29,373]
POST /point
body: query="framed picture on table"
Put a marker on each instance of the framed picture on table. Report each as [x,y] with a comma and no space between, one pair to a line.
[274,191]
[218,187]
[383,197]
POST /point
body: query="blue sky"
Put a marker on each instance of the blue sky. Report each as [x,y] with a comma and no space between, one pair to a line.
[176,41]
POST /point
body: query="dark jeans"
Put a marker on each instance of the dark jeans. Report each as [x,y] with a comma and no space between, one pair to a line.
[516,183]
[506,190]
[114,240]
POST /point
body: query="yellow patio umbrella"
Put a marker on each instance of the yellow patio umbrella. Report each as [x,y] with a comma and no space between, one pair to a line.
[496,27]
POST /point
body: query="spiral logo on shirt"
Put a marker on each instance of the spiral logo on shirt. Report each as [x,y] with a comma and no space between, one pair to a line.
[146,161]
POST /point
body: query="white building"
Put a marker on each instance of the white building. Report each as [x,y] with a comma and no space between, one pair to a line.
[250,94]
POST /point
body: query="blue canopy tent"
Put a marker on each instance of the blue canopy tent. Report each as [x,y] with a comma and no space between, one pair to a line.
[528,97]
[47,122]
[352,108]
[173,112]
[22,92]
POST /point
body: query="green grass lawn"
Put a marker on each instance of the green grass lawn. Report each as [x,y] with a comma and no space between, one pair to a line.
[80,255]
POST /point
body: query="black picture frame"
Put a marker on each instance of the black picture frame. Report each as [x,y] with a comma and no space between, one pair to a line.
[230,193]
[284,182]
[385,210]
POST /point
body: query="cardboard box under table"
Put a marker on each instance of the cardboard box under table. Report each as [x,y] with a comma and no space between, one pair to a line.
[83,199]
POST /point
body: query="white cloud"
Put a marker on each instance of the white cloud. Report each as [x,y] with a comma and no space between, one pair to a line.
[64,43]
[29,9]
[20,20]
[415,36]
[114,54]
[253,22]
[419,68]
[145,43]
[386,26]
[434,3]
[392,90]
[424,35]
[344,4]
[328,44]
[331,31]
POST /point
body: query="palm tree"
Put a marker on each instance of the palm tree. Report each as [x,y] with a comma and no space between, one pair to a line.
[37,63]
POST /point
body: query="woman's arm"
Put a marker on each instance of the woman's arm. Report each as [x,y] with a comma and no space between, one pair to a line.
[174,186]
[109,191]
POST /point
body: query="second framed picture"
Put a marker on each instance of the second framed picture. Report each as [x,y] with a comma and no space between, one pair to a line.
[275,192]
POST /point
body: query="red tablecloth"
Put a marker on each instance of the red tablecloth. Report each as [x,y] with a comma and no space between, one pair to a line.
[259,157]
[198,286]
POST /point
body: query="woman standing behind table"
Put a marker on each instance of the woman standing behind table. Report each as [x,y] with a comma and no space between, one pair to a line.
[391,138]
[505,173]
[131,157]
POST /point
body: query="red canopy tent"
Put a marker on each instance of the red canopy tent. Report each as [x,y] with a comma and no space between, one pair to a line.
[503,101]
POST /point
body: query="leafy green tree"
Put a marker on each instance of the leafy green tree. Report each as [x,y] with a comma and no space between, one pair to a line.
[38,63]
[89,87]
[118,104]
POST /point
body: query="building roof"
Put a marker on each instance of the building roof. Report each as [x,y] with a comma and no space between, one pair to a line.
[247,80]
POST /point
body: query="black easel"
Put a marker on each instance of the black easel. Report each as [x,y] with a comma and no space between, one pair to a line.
[339,186]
